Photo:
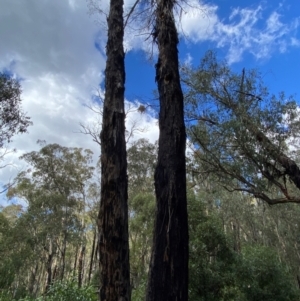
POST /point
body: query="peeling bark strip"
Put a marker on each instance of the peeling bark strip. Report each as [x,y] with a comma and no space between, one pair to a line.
[168,276]
[113,214]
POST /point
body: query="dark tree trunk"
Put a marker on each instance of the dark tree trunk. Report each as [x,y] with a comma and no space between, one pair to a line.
[113,214]
[298,280]
[168,276]
[75,260]
[97,253]
[80,266]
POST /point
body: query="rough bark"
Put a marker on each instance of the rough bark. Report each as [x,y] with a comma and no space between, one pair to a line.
[168,276]
[113,214]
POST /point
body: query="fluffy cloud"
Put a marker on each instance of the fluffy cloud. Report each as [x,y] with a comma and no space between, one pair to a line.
[245,30]
[49,44]
[57,50]
[250,29]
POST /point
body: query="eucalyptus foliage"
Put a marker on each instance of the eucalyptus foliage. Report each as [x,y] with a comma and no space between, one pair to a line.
[241,133]
[12,118]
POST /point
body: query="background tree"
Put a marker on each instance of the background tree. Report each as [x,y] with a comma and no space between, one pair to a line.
[141,165]
[230,233]
[45,236]
[168,275]
[239,132]
[220,271]
[12,119]
[240,248]
[226,229]
[141,157]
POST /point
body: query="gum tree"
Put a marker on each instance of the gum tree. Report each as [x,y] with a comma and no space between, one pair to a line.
[168,276]
[113,214]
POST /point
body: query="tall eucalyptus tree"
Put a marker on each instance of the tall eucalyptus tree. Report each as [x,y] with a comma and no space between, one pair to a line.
[168,276]
[113,214]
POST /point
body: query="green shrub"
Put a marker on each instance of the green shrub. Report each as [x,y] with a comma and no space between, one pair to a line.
[66,291]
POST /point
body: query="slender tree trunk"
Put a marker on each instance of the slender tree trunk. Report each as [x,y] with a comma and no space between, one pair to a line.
[49,266]
[49,272]
[39,286]
[113,214]
[32,279]
[63,257]
[168,276]
[92,257]
[97,253]
[80,266]
[55,270]
[75,260]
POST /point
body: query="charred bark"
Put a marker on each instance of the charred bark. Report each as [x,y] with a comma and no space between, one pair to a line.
[113,214]
[168,276]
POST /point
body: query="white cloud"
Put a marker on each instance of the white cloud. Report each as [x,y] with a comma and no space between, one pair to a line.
[188,60]
[295,42]
[247,30]
[53,46]
[198,21]
[49,44]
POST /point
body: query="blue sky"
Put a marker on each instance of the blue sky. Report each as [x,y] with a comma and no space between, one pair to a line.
[277,57]
[57,49]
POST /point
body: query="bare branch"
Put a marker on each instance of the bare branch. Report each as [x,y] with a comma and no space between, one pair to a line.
[131,12]
[94,129]
[94,132]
